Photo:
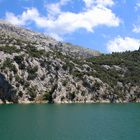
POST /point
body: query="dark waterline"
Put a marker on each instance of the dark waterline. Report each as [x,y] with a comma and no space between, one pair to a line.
[70,122]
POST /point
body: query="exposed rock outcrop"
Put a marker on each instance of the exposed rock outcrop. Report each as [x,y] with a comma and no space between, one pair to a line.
[36,68]
[7,92]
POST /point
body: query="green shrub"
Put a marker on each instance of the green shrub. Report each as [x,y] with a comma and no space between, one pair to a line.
[17,78]
[48,97]
[32,72]
[97,85]
[32,92]
[20,61]
[78,74]
[9,49]
[8,63]
[72,96]
[33,52]
[65,82]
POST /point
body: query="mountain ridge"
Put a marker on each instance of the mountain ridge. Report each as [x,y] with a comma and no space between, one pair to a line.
[45,41]
[38,69]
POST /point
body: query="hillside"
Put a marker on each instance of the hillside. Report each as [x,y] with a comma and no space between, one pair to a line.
[37,68]
[121,71]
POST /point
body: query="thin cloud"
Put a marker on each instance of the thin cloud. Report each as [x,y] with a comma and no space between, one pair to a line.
[91,3]
[137,6]
[136,28]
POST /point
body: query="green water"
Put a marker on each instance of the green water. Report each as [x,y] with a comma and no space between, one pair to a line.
[70,122]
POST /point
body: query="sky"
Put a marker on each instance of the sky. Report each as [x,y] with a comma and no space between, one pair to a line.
[104,25]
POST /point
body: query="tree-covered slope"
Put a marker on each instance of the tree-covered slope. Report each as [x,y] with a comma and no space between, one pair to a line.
[123,67]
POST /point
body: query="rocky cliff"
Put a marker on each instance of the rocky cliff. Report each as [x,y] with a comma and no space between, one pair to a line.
[37,68]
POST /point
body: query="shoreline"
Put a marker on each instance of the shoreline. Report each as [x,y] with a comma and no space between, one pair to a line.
[69,102]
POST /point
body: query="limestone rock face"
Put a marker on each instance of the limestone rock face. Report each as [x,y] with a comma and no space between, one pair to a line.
[37,68]
[7,92]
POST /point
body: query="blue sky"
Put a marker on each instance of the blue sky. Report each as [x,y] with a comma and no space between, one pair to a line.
[104,25]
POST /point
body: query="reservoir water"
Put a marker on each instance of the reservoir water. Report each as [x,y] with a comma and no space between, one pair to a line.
[70,122]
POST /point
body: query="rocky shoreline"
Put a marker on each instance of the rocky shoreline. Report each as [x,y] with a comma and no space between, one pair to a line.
[70,102]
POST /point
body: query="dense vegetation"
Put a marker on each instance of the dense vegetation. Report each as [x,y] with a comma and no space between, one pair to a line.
[123,67]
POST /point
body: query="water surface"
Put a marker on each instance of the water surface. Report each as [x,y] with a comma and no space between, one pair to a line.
[70,122]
